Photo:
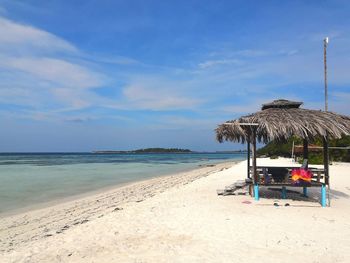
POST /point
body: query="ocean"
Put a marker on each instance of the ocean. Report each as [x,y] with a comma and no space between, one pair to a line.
[30,179]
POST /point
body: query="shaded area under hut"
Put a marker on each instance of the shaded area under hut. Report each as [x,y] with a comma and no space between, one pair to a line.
[278,121]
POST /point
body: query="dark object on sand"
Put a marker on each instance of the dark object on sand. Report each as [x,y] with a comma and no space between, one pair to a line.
[279,174]
[231,189]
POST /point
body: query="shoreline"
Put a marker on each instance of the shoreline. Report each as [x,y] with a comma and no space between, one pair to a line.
[83,195]
[52,218]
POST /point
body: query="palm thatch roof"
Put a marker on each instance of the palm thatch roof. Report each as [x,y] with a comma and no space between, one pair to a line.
[281,119]
[286,104]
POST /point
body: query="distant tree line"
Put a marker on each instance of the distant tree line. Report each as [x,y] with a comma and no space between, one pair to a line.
[162,150]
[284,149]
[147,150]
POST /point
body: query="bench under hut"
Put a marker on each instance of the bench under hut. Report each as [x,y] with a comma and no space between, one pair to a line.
[278,121]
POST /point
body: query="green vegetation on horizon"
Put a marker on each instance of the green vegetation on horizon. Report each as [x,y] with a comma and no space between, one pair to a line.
[274,148]
[163,150]
[151,150]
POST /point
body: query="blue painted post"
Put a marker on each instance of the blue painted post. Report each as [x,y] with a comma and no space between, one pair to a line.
[284,192]
[323,196]
[305,191]
[256,192]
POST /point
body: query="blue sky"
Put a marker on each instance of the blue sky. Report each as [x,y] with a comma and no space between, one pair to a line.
[87,75]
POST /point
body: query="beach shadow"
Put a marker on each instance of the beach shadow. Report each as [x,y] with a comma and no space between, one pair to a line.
[296,194]
[314,195]
[338,194]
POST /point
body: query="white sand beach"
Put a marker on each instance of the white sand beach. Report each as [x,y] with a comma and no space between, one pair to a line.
[181,218]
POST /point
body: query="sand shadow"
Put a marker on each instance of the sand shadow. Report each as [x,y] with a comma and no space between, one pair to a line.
[293,193]
[338,194]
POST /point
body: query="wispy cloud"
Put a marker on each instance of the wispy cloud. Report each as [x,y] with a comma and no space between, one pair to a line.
[252,53]
[211,63]
[31,62]
[133,68]
[119,60]
[62,84]
[173,122]
[157,98]
[15,35]
[33,74]
[60,72]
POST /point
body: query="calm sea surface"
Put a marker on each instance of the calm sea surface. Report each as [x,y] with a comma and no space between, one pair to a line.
[30,179]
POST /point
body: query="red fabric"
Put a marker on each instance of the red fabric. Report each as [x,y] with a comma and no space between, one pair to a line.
[301,175]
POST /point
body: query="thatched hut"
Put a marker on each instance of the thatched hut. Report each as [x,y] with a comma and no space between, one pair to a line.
[281,119]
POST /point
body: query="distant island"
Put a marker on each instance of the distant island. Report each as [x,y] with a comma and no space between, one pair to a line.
[148,150]
[235,151]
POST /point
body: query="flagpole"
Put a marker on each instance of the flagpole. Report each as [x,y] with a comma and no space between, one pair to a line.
[325,44]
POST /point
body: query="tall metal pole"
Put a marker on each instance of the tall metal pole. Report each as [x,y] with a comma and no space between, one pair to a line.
[325,139]
[248,152]
[254,172]
[325,43]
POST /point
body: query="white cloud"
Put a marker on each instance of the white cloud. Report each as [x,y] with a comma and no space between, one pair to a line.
[178,122]
[60,84]
[255,53]
[59,72]
[252,53]
[211,63]
[141,97]
[74,98]
[34,75]
[21,96]
[118,60]
[24,36]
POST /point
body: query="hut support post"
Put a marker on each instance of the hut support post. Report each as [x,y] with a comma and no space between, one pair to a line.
[255,178]
[326,170]
[305,150]
[326,160]
[256,192]
[323,196]
[284,192]
[248,158]
[305,191]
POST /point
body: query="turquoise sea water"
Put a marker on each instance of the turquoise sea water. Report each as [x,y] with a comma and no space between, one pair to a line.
[32,179]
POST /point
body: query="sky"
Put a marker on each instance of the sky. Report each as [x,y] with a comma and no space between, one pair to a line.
[89,75]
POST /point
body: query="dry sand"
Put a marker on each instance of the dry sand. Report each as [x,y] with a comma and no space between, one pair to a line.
[181,219]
